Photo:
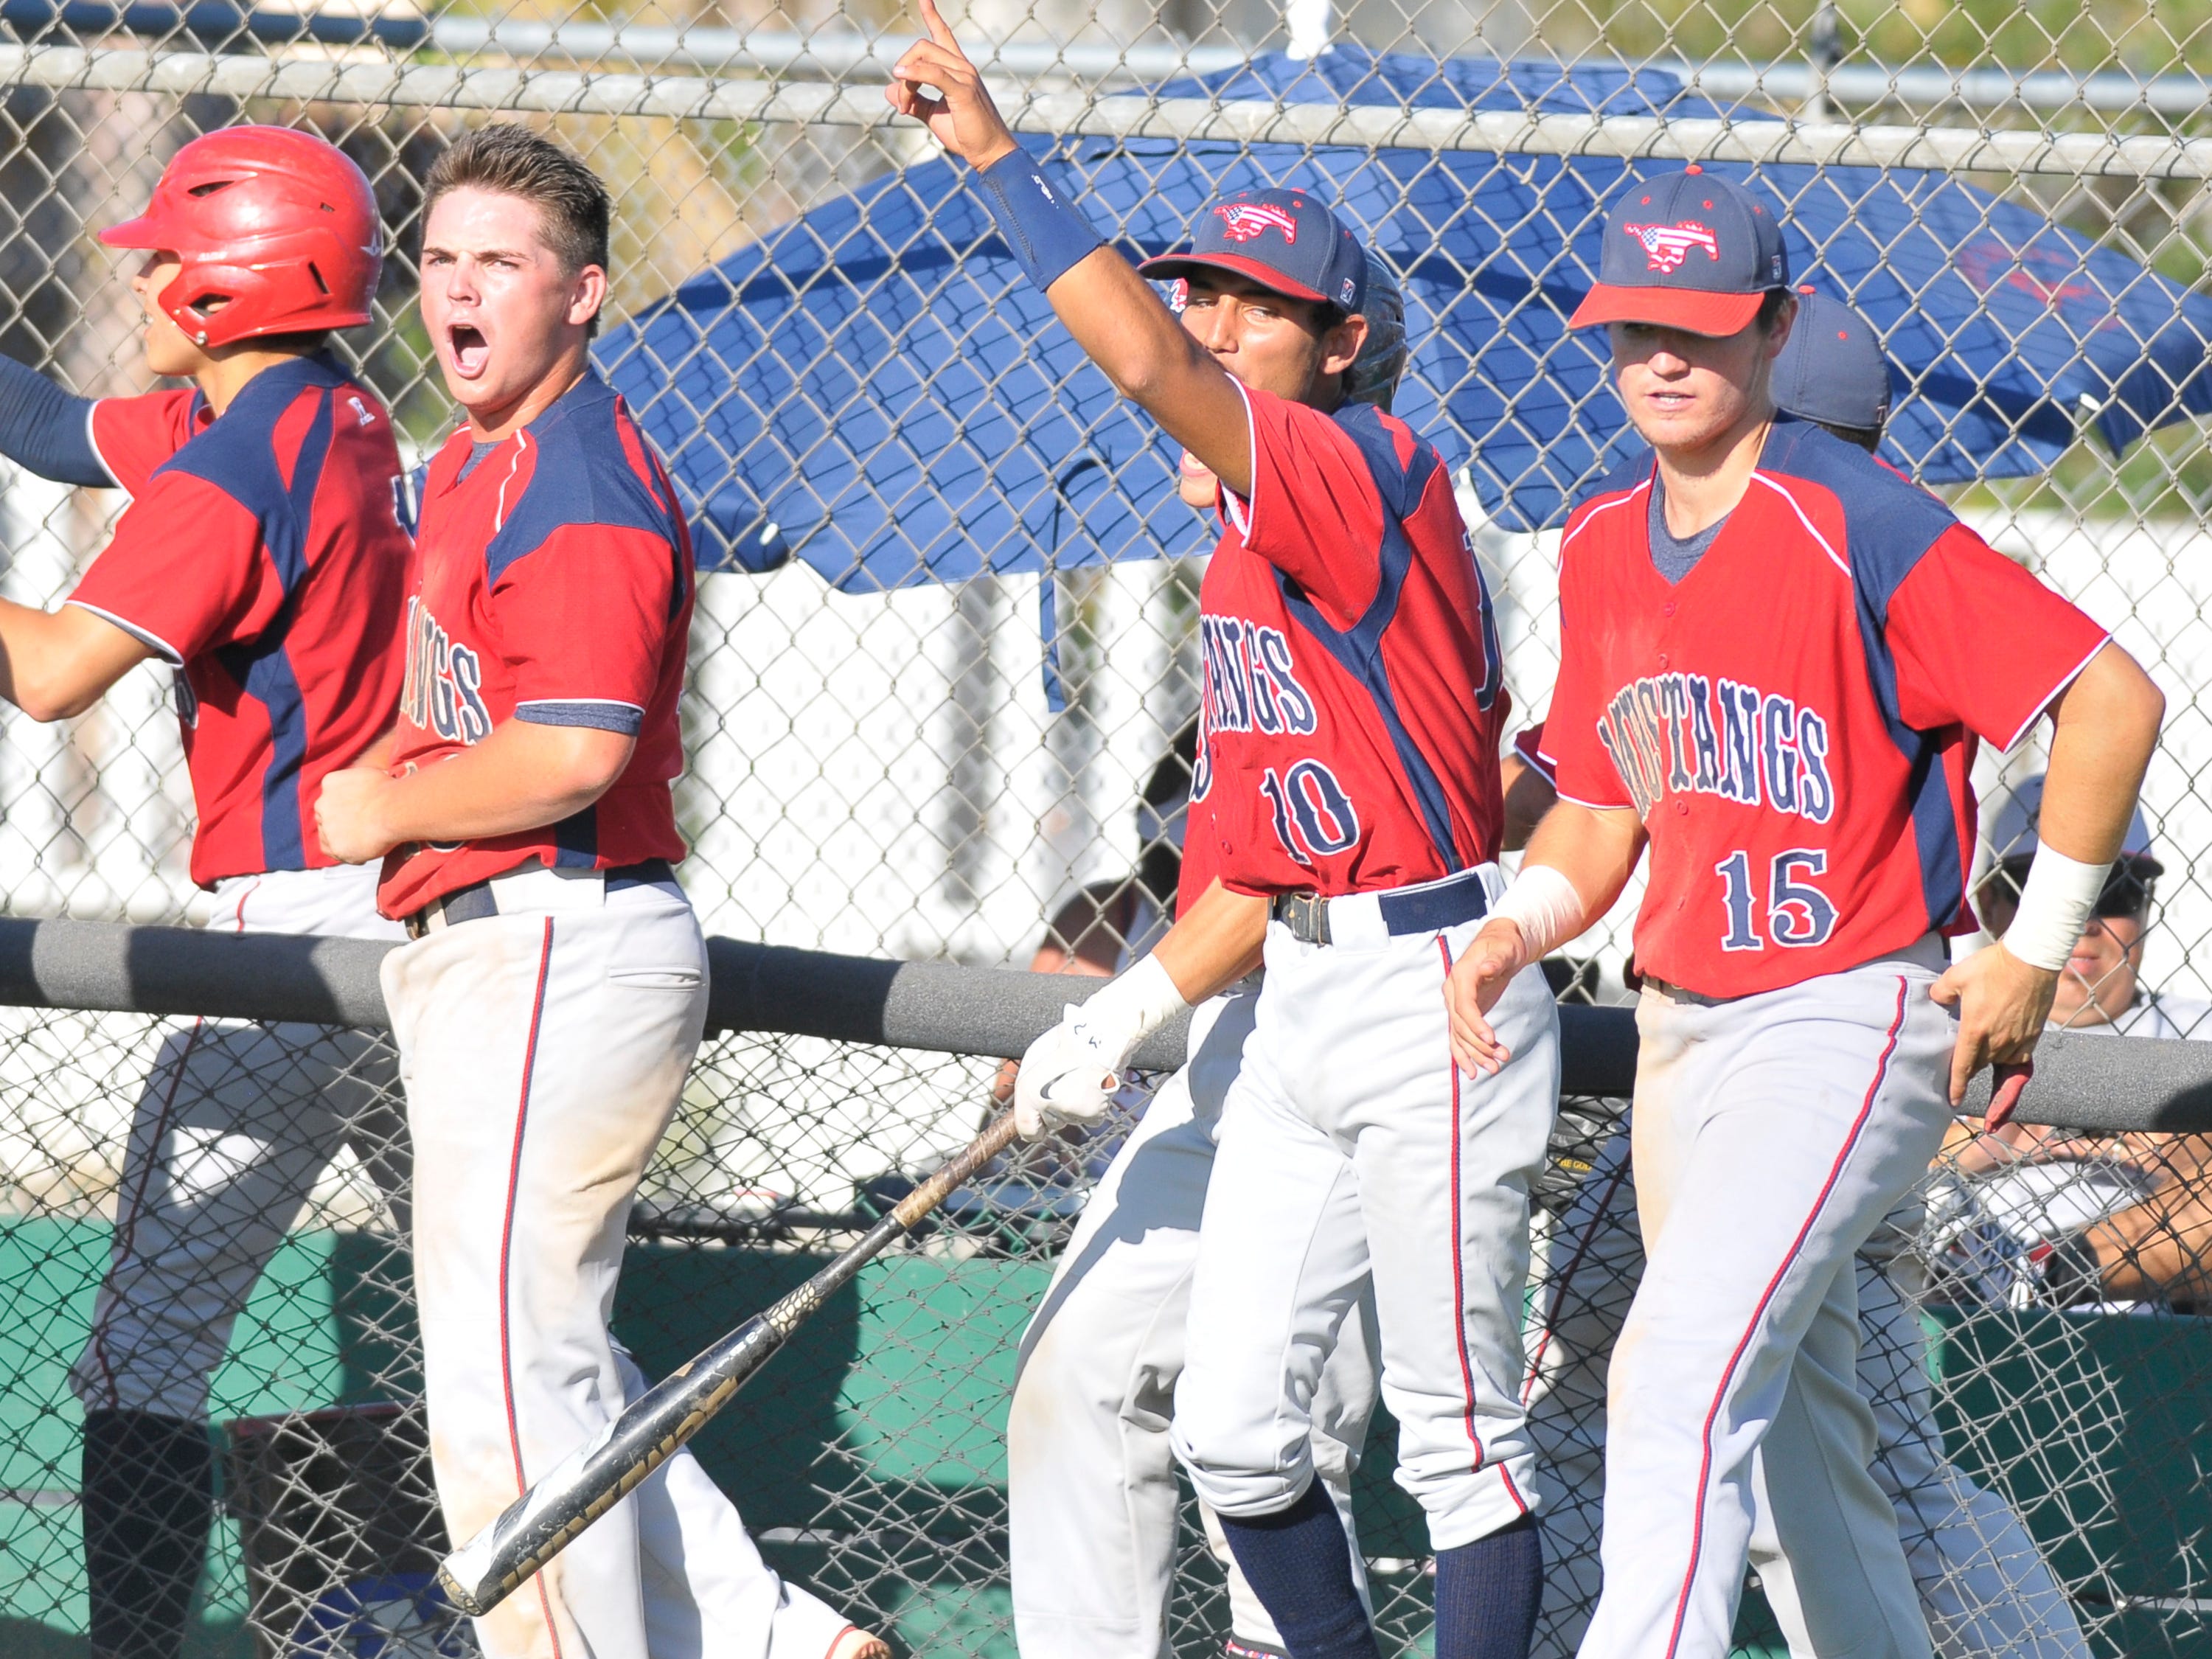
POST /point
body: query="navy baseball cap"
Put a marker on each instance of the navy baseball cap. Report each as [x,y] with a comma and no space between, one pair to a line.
[1284,239]
[1831,369]
[1688,249]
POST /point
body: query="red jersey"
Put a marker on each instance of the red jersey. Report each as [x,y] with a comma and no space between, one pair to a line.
[1795,721]
[1352,697]
[1202,848]
[553,583]
[262,556]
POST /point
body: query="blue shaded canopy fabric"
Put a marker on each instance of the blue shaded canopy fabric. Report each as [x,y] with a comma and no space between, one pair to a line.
[878,389]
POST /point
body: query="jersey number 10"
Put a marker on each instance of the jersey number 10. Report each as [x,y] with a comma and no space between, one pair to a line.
[1798,914]
[1314,816]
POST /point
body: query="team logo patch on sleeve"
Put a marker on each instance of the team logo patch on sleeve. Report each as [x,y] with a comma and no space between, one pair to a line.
[1243,221]
[1665,247]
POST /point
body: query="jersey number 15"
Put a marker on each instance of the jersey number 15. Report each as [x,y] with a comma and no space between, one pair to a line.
[1798,914]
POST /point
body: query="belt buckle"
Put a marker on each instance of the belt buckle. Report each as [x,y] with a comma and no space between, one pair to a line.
[1308,917]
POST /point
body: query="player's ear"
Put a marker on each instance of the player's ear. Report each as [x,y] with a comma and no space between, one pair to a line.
[587,292]
[1340,346]
[1778,335]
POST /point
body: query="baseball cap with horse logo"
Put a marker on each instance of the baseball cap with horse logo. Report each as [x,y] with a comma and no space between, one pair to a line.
[1284,239]
[1687,250]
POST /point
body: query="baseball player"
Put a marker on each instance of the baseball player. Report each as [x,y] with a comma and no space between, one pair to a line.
[550,1001]
[1982,1584]
[1091,1480]
[261,560]
[1091,1486]
[1352,705]
[1778,657]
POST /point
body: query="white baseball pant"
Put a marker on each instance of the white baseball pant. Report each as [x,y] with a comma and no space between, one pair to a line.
[233,1126]
[1772,1134]
[1983,1585]
[542,1051]
[1091,1484]
[1984,1588]
[1349,1140]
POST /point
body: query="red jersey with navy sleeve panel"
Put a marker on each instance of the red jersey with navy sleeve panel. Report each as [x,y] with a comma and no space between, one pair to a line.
[261,556]
[133,436]
[1795,721]
[1352,697]
[553,583]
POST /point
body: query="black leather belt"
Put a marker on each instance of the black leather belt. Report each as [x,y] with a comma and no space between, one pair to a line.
[1427,909]
[476,901]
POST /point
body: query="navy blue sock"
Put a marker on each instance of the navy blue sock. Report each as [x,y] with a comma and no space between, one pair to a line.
[148,1504]
[1299,1563]
[1488,1593]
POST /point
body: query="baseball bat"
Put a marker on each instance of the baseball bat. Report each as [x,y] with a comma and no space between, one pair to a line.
[539,1525]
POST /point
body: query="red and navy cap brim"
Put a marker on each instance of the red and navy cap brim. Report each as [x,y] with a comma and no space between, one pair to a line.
[1168,266]
[1691,310]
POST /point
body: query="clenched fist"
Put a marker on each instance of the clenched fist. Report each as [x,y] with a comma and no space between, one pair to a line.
[348,816]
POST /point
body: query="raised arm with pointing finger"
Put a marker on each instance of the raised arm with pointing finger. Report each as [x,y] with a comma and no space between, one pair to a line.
[1173,372]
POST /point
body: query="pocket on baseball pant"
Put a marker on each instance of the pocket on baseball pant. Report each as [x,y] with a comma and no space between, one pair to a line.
[657,979]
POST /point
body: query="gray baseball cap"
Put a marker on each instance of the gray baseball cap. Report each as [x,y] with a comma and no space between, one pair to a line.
[1831,369]
[2012,829]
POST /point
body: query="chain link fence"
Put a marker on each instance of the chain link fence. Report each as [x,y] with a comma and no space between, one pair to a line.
[2037,1302]
[888,751]
[936,662]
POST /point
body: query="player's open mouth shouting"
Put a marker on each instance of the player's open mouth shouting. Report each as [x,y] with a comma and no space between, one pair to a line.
[467,351]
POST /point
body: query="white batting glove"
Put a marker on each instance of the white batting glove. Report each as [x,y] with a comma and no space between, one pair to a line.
[1071,1072]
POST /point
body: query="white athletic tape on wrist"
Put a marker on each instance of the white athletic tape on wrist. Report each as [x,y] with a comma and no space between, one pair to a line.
[1070,1071]
[1544,905]
[1130,1007]
[2056,903]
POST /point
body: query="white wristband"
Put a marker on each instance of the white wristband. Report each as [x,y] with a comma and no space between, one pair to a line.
[1545,905]
[2056,903]
[1133,1005]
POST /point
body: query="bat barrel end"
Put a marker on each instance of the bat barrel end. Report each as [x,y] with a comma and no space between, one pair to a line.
[462,1598]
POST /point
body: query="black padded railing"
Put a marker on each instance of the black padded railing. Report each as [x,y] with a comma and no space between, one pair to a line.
[2082,1081]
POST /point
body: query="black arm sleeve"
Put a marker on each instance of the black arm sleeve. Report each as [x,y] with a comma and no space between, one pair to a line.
[47,430]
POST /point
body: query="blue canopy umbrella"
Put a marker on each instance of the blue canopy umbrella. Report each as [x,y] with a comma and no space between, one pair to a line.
[876,389]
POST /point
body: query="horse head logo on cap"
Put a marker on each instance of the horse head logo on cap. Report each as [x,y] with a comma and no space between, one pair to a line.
[1665,247]
[1242,221]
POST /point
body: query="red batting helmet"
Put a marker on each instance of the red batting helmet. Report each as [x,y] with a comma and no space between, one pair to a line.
[276,221]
